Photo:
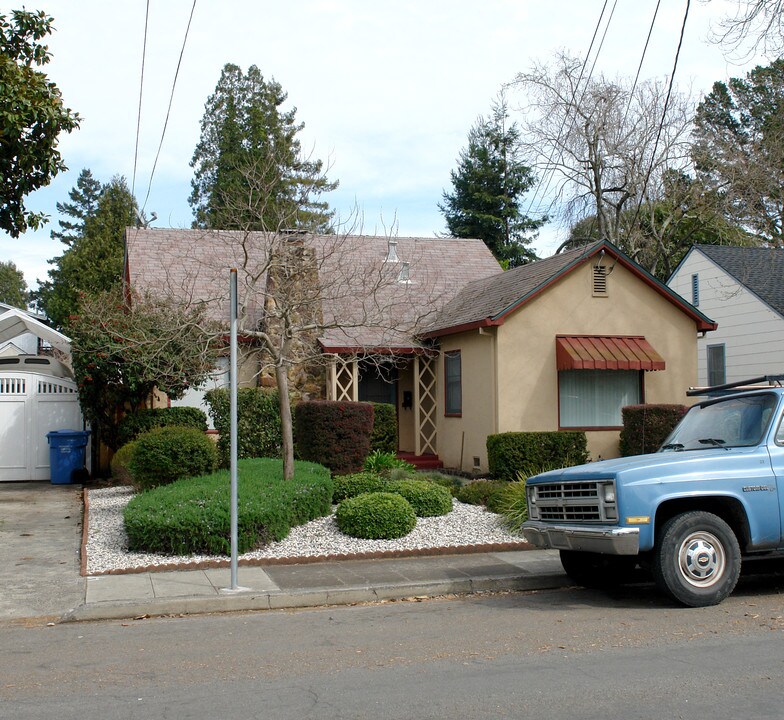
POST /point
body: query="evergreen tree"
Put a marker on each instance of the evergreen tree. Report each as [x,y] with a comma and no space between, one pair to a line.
[13,288]
[488,188]
[84,204]
[249,171]
[93,262]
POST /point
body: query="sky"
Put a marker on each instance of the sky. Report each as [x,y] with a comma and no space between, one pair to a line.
[387,90]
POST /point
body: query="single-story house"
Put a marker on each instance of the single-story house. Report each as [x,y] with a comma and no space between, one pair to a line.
[742,288]
[461,348]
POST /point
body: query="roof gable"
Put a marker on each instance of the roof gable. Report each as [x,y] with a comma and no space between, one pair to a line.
[760,270]
[490,300]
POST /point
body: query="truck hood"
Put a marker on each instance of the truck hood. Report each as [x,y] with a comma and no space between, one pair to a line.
[656,467]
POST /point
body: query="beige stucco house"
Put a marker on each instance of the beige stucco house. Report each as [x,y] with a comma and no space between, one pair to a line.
[461,348]
[560,344]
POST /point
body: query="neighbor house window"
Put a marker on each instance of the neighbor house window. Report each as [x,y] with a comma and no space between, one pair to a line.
[717,368]
[594,398]
[453,382]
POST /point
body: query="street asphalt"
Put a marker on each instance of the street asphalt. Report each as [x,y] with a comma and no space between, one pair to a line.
[40,540]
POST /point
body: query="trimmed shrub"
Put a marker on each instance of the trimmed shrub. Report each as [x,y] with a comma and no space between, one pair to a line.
[451,482]
[427,499]
[167,454]
[120,463]
[479,492]
[645,427]
[376,516]
[258,422]
[384,436]
[508,452]
[348,486]
[142,421]
[193,517]
[334,434]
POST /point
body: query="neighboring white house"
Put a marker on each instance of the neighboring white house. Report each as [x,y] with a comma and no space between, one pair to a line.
[742,289]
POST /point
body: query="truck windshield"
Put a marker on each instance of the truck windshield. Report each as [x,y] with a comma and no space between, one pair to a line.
[720,424]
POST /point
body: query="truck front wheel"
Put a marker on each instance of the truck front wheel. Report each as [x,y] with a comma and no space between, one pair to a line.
[697,559]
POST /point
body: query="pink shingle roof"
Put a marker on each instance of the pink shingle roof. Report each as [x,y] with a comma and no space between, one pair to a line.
[362,301]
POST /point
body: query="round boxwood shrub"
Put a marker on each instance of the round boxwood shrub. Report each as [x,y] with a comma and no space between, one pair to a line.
[480,492]
[167,454]
[120,463]
[427,499]
[376,516]
[348,486]
[141,421]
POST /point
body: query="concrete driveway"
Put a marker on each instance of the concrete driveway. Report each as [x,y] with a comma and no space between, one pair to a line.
[40,537]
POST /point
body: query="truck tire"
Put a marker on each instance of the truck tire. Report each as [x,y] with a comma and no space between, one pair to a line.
[697,559]
[595,570]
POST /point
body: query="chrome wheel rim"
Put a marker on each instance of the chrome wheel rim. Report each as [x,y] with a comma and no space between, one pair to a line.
[702,559]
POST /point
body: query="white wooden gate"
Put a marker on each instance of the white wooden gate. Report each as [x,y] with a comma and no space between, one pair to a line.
[32,405]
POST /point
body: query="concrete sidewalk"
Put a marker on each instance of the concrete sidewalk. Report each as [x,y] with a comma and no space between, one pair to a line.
[338,582]
[40,536]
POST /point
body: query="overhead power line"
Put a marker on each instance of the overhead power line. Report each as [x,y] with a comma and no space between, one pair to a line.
[141,89]
[168,110]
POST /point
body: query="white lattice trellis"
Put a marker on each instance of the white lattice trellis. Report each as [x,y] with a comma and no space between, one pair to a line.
[344,380]
[425,404]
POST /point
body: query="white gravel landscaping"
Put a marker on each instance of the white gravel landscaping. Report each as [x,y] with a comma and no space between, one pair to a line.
[107,543]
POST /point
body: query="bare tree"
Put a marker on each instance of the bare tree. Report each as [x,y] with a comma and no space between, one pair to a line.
[757,25]
[605,148]
[300,293]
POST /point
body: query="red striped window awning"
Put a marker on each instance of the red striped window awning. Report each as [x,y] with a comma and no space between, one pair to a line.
[593,352]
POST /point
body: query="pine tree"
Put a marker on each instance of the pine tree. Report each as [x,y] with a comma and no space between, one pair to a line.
[13,288]
[488,188]
[93,262]
[248,141]
[84,204]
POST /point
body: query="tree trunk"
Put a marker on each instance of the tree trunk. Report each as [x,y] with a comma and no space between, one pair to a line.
[286,425]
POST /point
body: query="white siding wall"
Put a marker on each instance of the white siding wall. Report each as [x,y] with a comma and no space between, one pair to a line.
[753,333]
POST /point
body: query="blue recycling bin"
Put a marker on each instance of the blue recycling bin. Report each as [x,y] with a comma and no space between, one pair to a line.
[66,454]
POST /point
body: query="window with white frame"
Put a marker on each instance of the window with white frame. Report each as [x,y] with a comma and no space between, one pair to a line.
[594,398]
[453,382]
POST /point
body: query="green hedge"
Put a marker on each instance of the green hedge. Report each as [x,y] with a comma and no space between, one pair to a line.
[166,454]
[645,427]
[479,492]
[192,516]
[376,516]
[511,452]
[427,499]
[384,436]
[334,434]
[120,464]
[142,421]
[258,422]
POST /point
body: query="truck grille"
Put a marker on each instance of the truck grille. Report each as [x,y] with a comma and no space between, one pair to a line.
[573,502]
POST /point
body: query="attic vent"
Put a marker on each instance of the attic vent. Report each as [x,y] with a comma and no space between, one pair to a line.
[392,252]
[600,280]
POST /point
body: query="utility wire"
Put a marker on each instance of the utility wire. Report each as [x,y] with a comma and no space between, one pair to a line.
[141,88]
[642,59]
[168,110]
[548,168]
[664,114]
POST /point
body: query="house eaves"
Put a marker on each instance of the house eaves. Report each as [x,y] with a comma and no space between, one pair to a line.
[494,298]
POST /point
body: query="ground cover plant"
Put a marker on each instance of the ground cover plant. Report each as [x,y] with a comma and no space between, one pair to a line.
[191,516]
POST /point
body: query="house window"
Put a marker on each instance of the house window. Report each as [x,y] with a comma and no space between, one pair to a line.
[717,368]
[454,383]
[695,290]
[594,398]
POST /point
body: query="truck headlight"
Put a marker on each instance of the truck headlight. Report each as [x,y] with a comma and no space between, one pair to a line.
[609,493]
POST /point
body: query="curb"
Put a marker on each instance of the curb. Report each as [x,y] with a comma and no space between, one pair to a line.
[252,600]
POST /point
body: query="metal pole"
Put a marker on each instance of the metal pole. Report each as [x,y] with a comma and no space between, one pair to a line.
[233,450]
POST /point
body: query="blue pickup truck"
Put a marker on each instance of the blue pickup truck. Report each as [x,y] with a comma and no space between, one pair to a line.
[690,512]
